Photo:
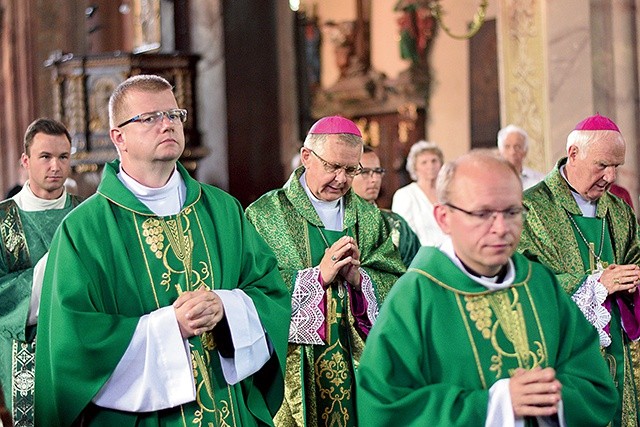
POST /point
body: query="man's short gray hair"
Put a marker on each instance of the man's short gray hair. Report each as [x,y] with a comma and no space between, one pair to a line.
[317,141]
[509,129]
[583,139]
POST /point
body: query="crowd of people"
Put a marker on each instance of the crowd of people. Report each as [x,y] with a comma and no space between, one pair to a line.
[488,295]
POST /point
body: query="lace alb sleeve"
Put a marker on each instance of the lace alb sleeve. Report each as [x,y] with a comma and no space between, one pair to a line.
[589,297]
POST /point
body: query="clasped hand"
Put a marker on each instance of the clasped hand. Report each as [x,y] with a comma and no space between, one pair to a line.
[198,312]
[535,392]
[342,259]
[616,278]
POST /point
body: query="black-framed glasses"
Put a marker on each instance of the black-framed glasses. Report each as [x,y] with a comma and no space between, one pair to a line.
[176,114]
[335,167]
[369,172]
[512,214]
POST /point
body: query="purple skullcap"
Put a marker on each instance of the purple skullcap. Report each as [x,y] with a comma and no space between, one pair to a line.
[333,125]
[597,122]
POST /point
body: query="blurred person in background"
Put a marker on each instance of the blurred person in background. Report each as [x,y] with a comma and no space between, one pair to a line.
[367,185]
[415,202]
[513,145]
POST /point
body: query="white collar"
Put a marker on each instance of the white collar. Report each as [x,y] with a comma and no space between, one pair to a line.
[587,207]
[488,282]
[330,213]
[29,202]
[163,201]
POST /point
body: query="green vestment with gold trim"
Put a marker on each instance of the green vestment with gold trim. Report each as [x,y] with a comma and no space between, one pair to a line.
[404,238]
[551,238]
[26,236]
[113,261]
[442,340]
[320,382]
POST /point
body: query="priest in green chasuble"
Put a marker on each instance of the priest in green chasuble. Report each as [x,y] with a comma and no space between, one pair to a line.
[162,306]
[589,239]
[27,223]
[476,334]
[337,256]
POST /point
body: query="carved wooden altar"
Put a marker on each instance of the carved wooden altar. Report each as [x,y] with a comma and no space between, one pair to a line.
[391,113]
[391,135]
[81,90]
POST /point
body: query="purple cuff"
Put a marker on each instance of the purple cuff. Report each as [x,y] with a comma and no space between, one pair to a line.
[359,306]
[630,314]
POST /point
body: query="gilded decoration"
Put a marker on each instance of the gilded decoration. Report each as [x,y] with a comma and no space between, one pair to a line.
[147,32]
[14,242]
[82,86]
[23,359]
[74,101]
[408,114]
[524,94]
[171,241]
[333,368]
[629,403]
[101,91]
[509,323]
[169,245]
[152,231]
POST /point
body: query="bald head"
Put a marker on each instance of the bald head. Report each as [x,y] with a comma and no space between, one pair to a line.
[477,162]
[480,208]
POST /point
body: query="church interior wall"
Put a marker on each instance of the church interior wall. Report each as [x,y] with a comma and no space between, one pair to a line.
[590,56]
[448,122]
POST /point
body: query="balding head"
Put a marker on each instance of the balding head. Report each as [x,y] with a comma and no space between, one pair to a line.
[480,208]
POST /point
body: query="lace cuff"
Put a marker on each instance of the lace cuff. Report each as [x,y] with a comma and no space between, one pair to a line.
[306,315]
[589,297]
[369,295]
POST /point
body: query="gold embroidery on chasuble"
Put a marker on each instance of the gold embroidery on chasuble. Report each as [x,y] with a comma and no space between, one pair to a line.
[14,241]
[173,268]
[499,318]
[629,403]
[334,373]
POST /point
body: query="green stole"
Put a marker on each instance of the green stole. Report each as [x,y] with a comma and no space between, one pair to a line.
[333,368]
[616,356]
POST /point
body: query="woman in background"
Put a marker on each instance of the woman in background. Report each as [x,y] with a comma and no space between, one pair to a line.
[414,202]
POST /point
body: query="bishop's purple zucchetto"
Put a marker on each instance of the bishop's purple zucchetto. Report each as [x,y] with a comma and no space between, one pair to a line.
[597,122]
[334,124]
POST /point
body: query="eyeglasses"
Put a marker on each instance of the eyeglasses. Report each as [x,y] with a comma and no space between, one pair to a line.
[370,172]
[513,214]
[154,117]
[335,167]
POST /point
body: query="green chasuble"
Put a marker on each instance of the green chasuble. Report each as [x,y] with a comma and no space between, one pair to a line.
[404,238]
[333,367]
[290,225]
[26,236]
[550,237]
[112,261]
[442,340]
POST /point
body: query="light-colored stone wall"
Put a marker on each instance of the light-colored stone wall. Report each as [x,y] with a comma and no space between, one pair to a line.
[560,61]
[207,40]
